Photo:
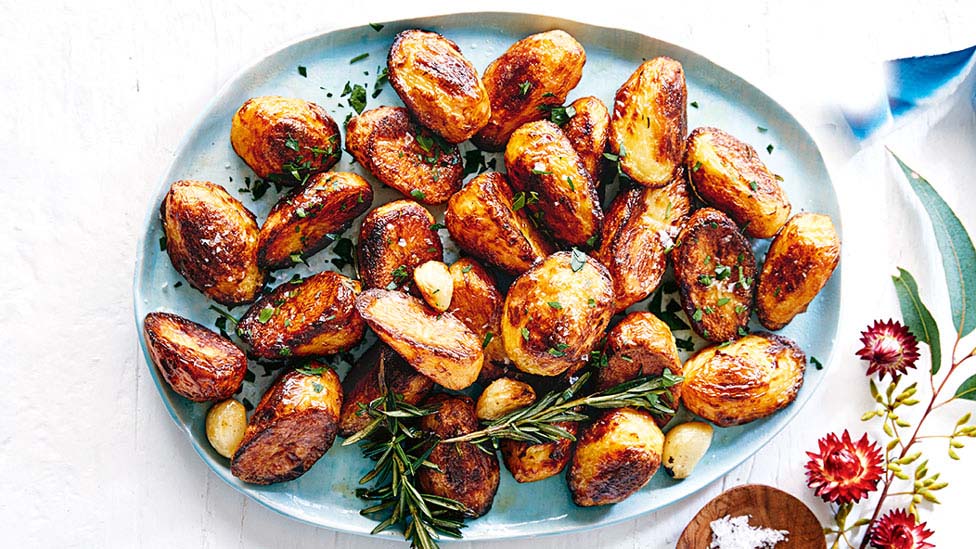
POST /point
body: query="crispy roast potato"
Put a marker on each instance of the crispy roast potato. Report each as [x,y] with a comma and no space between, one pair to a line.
[393,240]
[533,462]
[650,121]
[715,270]
[275,134]
[212,240]
[404,155]
[437,345]
[798,265]
[483,220]
[615,456]
[503,396]
[439,86]
[313,317]
[540,159]
[305,221]
[556,312]
[197,363]
[751,378]
[588,131]
[534,73]
[728,175]
[638,231]
[478,304]
[464,473]
[291,428]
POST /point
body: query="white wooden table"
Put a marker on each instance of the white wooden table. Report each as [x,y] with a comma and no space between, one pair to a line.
[94,98]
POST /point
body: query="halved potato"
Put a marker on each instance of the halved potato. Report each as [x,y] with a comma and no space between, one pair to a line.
[212,240]
[503,396]
[196,362]
[393,240]
[728,175]
[588,131]
[404,155]
[478,304]
[533,462]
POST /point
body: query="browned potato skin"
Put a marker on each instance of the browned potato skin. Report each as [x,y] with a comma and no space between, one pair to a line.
[313,318]
[640,226]
[708,239]
[588,131]
[384,141]
[478,304]
[195,215]
[615,456]
[572,330]
[436,344]
[291,428]
[480,220]
[380,367]
[264,127]
[379,249]
[746,380]
[302,222]
[650,121]
[551,62]
[727,170]
[533,462]
[197,363]
[540,158]
[439,86]
[798,265]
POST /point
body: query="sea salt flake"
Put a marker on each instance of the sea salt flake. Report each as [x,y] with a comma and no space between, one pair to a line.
[736,533]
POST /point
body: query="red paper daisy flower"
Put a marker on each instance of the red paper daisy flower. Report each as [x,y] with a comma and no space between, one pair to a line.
[899,530]
[844,471]
[889,348]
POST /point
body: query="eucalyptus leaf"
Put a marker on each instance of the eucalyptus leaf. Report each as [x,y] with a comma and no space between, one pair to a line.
[917,316]
[968,389]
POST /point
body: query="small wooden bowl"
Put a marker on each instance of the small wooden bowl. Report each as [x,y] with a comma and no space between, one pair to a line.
[767,507]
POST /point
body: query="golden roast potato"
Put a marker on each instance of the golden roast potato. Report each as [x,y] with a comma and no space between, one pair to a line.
[439,86]
[503,396]
[749,379]
[533,462]
[588,131]
[197,363]
[478,304]
[393,240]
[212,240]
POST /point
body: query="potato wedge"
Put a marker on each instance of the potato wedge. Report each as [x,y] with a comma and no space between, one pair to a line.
[751,378]
[798,265]
[439,86]
[404,155]
[542,163]
[615,456]
[275,135]
[715,270]
[306,220]
[477,303]
[533,462]
[197,363]
[728,175]
[484,221]
[313,317]
[292,427]
[535,72]
[393,240]
[650,121]
[212,240]
[437,345]
[556,312]
[503,396]
[588,131]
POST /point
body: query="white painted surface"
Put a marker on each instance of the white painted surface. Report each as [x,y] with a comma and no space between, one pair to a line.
[93,100]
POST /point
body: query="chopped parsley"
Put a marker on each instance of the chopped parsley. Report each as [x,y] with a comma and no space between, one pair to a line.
[704,280]
[591,241]
[762,129]
[694,104]
[816,363]
[359,57]
[753,185]
[558,114]
[769,148]
[400,274]
[438,226]
[569,180]
[487,339]
[525,334]
[377,26]
[696,167]
[292,144]
[303,71]
[524,88]
[357,98]
[555,305]
[723,301]
[418,194]
[559,350]
[296,258]
[697,316]
[466,269]
[722,272]
[540,172]
[265,314]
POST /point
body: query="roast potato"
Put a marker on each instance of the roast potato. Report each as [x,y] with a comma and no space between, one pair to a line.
[393,240]
[197,363]
[437,345]
[439,86]
[212,240]
[225,426]
[477,303]
[638,231]
[503,396]
[404,155]
[534,74]
[533,462]
[728,175]
[306,220]
[588,131]
[540,159]
[556,312]
[464,473]
[649,122]
[293,425]
[798,265]
[312,317]
[750,378]
[615,456]
[486,220]
[715,270]
[435,283]
[278,135]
